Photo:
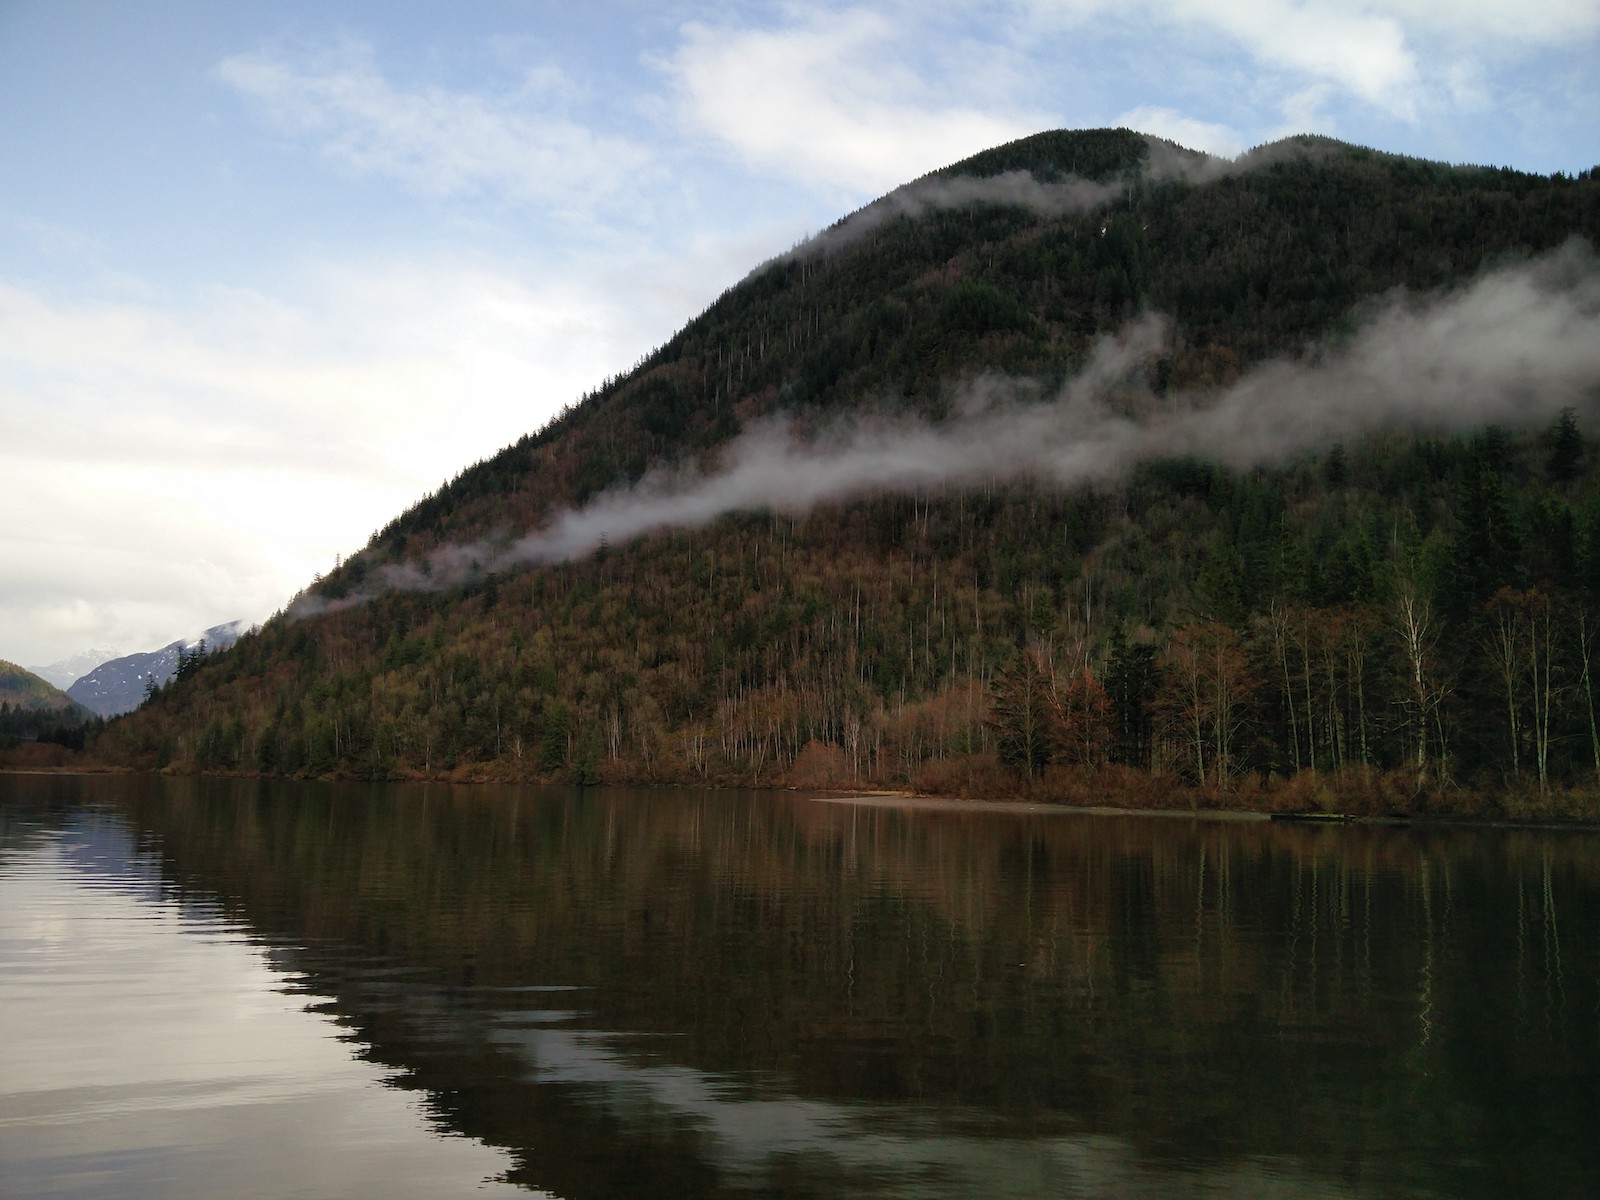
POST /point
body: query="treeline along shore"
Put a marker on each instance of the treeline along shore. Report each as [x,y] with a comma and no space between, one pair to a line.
[1404,626]
[1089,470]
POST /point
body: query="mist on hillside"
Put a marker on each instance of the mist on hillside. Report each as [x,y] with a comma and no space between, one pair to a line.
[1514,347]
[1072,196]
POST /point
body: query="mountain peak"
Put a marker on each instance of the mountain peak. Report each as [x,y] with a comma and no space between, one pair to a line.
[997,415]
[119,685]
[1095,154]
[67,671]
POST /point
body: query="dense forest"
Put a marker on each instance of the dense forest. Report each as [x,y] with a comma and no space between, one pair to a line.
[1402,620]
[33,710]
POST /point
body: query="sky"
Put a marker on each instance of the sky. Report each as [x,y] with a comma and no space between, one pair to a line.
[271,272]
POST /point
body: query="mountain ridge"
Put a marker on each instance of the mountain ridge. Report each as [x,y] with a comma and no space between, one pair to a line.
[22,688]
[34,711]
[119,685]
[706,423]
[884,634]
[64,672]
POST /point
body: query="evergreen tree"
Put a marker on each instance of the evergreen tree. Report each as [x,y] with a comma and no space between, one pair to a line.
[557,730]
[1131,682]
[1335,470]
[1486,549]
[1566,448]
[1220,590]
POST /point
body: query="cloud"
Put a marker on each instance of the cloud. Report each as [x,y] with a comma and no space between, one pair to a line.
[176,462]
[1362,51]
[1011,189]
[1167,123]
[1014,189]
[1496,26]
[378,357]
[861,98]
[1404,58]
[1514,347]
[1357,47]
[441,143]
[836,99]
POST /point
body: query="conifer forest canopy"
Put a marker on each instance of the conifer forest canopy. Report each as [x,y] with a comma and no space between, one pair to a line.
[1087,467]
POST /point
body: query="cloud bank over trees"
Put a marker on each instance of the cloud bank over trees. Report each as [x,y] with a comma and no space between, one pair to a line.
[1514,347]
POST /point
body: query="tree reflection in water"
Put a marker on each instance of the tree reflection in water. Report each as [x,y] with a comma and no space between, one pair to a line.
[681,993]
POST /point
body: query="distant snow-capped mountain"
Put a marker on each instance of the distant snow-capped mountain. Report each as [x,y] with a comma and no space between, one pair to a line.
[118,686]
[69,670]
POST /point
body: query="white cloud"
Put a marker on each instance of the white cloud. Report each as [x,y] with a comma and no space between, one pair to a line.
[1356,47]
[1364,52]
[835,99]
[1411,60]
[1498,26]
[1304,111]
[232,441]
[443,143]
[211,455]
[864,98]
[1186,131]
[1514,347]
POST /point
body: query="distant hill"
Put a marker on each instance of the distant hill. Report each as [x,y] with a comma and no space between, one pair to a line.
[21,688]
[67,671]
[1089,462]
[32,709]
[119,686]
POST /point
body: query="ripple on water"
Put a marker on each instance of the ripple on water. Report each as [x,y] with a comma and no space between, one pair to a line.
[151,1050]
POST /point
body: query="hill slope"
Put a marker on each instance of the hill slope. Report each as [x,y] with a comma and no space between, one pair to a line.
[119,685]
[21,688]
[67,671]
[964,490]
[34,708]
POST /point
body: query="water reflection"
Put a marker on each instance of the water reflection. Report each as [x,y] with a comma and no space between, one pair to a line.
[700,994]
[149,1049]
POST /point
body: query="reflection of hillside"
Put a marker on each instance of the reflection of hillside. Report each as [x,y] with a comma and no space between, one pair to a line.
[606,1114]
[1210,992]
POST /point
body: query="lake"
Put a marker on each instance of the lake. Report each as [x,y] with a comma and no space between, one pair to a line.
[260,988]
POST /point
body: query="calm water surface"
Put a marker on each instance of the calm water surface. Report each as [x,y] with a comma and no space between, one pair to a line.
[270,989]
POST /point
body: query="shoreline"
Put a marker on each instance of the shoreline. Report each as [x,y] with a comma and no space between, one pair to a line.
[913,803]
[907,802]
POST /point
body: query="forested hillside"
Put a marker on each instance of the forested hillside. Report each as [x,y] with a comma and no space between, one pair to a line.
[33,709]
[1408,607]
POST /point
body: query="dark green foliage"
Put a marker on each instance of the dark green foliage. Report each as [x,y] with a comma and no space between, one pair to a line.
[1257,263]
[973,309]
[1335,470]
[1219,589]
[1131,681]
[189,661]
[1551,541]
[22,689]
[557,731]
[888,629]
[1098,154]
[67,726]
[33,710]
[1566,448]
[1486,547]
